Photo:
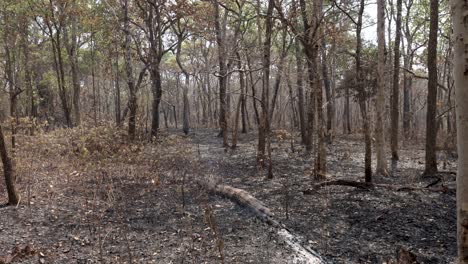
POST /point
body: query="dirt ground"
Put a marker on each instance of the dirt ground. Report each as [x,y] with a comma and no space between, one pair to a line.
[90,197]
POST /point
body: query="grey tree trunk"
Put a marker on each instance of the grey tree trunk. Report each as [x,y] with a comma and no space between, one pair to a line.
[222,75]
[362,98]
[431,122]
[132,100]
[380,102]
[460,61]
[396,87]
[8,171]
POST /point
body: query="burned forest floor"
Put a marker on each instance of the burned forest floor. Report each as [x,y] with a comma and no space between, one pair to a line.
[88,195]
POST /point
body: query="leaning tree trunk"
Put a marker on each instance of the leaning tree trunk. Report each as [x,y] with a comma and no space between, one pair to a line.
[8,171]
[431,122]
[460,61]
[380,102]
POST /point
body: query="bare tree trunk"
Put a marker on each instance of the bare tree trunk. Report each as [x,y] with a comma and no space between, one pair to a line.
[118,115]
[279,75]
[8,171]
[380,102]
[264,127]
[27,71]
[328,92]
[93,81]
[132,100]
[72,49]
[186,113]
[460,61]
[239,104]
[320,162]
[396,87]
[407,82]
[362,98]
[347,113]
[300,94]
[222,75]
[156,90]
[236,123]
[431,124]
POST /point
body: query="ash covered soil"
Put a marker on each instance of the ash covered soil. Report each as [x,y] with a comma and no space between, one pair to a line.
[88,196]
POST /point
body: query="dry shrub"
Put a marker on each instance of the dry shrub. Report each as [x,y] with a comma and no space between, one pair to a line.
[100,142]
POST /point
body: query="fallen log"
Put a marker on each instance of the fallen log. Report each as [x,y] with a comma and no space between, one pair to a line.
[368,185]
[245,199]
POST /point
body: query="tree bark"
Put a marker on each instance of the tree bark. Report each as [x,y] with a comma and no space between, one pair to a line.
[222,75]
[72,49]
[396,87]
[132,100]
[8,171]
[328,92]
[431,122]
[362,98]
[460,61]
[300,94]
[156,89]
[380,102]
[118,114]
[264,137]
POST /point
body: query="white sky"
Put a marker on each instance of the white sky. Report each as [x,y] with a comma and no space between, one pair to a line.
[369,32]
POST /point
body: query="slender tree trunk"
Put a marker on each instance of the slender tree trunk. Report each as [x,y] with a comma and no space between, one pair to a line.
[460,61]
[75,70]
[431,122]
[222,75]
[279,75]
[8,171]
[118,115]
[347,113]
[407,82]
[396,87]
[300,94]
[362,98]
[406,95]
[236,123]
[328,93]
[333,84]
[132,100]
[186,110]
[264,127]
[157,95]
[254,95]
[27,71]
[380,102]
[186,113]
[320,162]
